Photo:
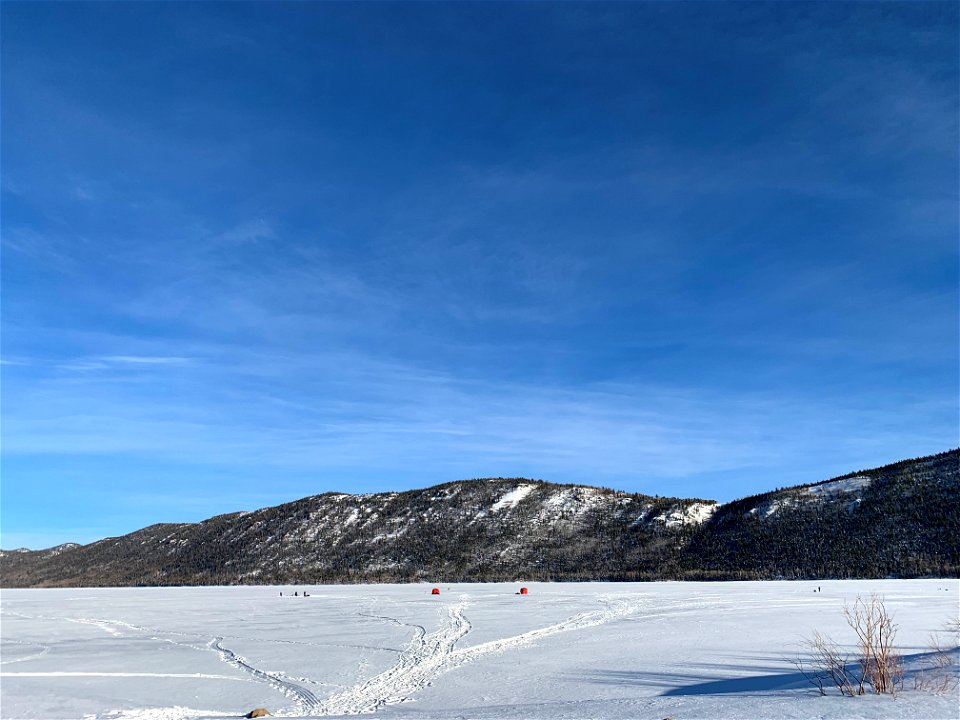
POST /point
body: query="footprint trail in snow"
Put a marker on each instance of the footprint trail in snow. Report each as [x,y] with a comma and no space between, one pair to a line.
[430,656]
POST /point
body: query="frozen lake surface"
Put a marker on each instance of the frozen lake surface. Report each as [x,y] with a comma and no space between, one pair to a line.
[591,650]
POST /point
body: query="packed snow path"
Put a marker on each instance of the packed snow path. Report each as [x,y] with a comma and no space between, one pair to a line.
[430,656]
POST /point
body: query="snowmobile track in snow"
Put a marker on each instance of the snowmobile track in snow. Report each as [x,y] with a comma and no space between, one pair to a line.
[430,656]
[300,694]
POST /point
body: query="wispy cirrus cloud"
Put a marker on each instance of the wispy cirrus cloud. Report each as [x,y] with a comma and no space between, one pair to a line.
[146,359]
[577,256]
[330,413]
[114,362]
[249,231]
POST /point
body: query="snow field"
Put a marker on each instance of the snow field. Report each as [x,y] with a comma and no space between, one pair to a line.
[591,650]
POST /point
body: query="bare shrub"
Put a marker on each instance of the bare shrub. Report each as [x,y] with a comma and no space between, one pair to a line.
[827,665]
[937,673]
[878,664]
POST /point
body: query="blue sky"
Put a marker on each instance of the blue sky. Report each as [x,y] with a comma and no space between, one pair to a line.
[253,252]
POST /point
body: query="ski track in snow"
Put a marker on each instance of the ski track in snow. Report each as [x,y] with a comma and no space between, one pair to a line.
[422,656]
[430,656]
[306,699]
[44,649]
[177,712]
[416,666]
[106,625]
[427,656]
[58,673]
[302,696]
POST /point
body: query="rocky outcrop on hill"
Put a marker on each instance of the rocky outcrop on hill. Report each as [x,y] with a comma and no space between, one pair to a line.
[898,520]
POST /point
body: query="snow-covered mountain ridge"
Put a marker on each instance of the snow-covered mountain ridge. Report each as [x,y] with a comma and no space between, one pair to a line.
[508,528]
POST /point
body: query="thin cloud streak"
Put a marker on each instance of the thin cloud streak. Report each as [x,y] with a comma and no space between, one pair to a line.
[146,360]
[575,256]
[360,412]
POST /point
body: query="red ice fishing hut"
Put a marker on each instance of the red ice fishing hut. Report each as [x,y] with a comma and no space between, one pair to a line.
[524,591]
[435,591]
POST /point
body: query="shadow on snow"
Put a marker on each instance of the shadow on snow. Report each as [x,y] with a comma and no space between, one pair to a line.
[759,680]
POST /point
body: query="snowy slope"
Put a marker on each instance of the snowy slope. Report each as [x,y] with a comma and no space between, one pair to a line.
[469,530]
[902,520]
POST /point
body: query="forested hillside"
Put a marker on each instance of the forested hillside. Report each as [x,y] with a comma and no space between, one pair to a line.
[901,520]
